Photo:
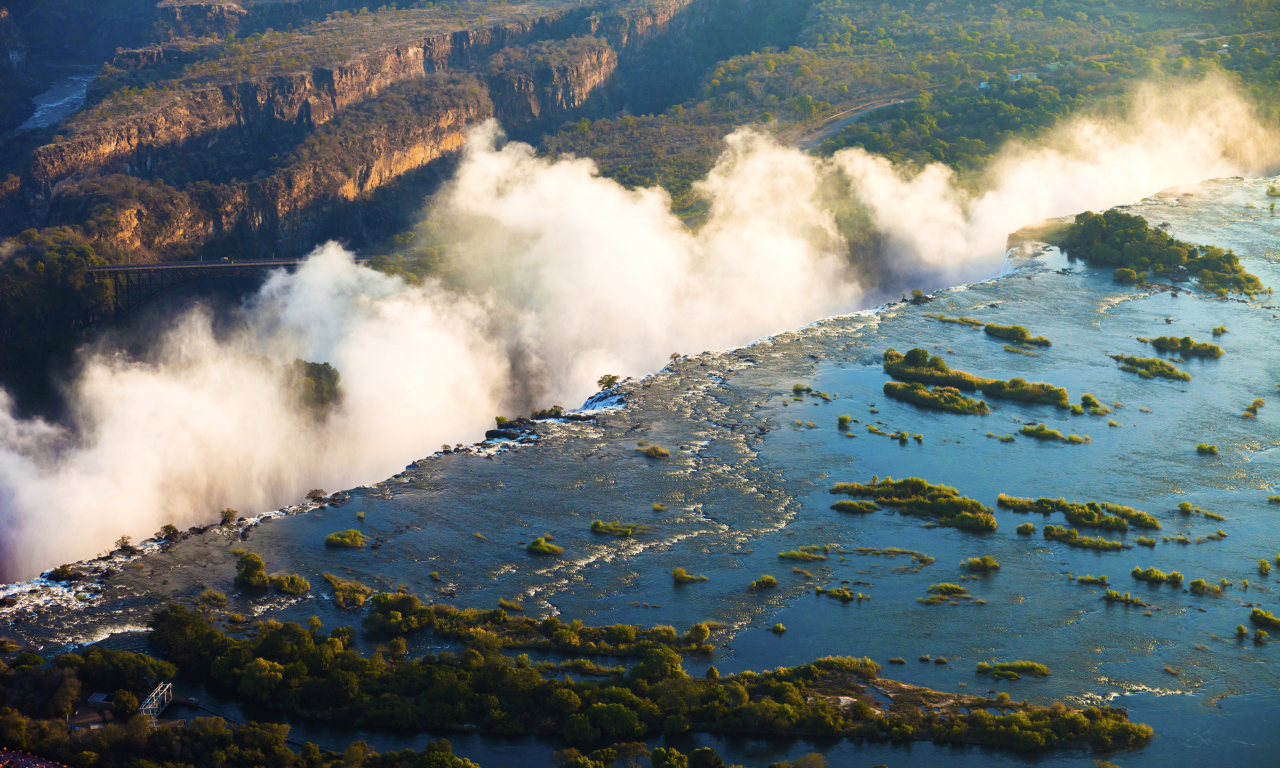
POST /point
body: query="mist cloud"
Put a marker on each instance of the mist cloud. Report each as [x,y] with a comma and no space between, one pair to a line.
[556,277]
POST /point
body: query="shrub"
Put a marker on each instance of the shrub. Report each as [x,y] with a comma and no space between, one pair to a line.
[655,452]
[347,594]
[681,576]
[764,582]
[984,563]
[1016,667]
[1143,541]
[855,506]
[1205,449]
[842,422]
[540,546]
[509,605]
[1112,596]
[1026,529]
[251,572]
[350,539]
[291,584]
[1264,567]
[1015,333]
[939,398]
[1125,276]
[1184,346]
[1150,367]
[918,366]
[778,629]
[1041,432]
[1072,538]
[1087,579]
[914,496]
[1156,576]
[803,554]
[1264,618]
[616,528]
[1219,330]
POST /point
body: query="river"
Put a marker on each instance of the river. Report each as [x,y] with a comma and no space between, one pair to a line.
[66,95]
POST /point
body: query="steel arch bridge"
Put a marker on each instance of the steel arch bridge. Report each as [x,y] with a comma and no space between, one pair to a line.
[136,284]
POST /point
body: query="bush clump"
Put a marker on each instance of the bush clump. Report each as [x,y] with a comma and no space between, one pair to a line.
[1026,529]
[540,546]
[984,563]
[1150,368]
[1015,333]
[1014,668]
[806,553]
[855,506]
[291,584]
[939,398]
[1072,538]
[1184,346]
[1264,618]
[764,582]
[655,452]
[350,538]
[1156,576]
[251,572]
[616,528]
[1087,579]
[1113,596]
[914,496]
[681,576]
[347,594]
[1205,449]
[918,366]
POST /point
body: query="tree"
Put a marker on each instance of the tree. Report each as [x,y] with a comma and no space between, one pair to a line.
[259,679]
[229,516]
[699,633]
[607,381]
[669,757]
[124,705]
[706,757]
[124,542]
[316,494]
[169,532]
[251,571]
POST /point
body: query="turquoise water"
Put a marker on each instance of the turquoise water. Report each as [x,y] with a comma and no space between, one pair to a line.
[745,482]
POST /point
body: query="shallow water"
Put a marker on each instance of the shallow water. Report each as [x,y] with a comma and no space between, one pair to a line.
[745,482]
[63,97]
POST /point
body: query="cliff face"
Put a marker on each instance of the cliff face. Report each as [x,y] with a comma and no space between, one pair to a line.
[534,88]
[175,21]
[288,211]
[274,164]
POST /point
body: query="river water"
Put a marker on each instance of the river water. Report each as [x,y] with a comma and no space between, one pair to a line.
[65,96]
[749,477]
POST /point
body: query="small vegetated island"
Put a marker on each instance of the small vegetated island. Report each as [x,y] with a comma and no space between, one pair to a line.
[1091,514]
[1015,333]
[1012,670]
[914,496]
[1150,368]
[1128,243]
[1185,346]
[917,366]
[349,539]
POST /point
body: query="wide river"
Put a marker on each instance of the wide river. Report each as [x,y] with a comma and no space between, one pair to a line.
[749,477]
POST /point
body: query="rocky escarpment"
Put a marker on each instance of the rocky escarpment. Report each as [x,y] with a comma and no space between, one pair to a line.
[272,160]
[305,199]
[538,85]
[159,141]
[179,20]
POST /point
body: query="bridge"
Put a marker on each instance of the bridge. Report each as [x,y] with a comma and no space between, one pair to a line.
[135,284]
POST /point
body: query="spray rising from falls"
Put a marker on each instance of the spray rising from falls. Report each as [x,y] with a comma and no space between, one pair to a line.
[559,276]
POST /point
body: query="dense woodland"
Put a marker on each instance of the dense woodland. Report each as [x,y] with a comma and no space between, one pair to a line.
[309,673]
